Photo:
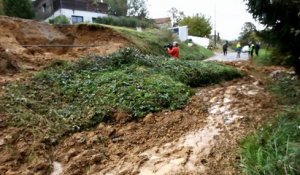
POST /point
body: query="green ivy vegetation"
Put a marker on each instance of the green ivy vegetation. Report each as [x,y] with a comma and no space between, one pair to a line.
[69,97]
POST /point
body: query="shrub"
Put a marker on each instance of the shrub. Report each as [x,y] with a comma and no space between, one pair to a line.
[61,19]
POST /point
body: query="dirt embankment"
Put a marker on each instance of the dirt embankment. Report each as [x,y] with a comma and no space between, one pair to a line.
[31,45]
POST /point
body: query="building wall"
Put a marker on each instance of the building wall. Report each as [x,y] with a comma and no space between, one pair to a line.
[47,8]
[87,16]
[181,32]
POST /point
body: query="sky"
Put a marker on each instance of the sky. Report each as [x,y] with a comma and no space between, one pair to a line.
[229,15]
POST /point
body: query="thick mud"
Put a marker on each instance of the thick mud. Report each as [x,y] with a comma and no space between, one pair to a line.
[28,46]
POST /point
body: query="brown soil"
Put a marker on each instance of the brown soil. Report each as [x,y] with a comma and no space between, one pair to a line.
[15,33]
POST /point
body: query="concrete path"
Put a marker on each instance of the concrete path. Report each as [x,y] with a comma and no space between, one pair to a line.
[231,56]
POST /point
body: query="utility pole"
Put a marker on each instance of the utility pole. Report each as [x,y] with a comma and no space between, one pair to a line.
[215,23]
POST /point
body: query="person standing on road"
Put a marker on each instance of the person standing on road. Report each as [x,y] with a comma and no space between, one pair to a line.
[225,47]
[174,51]
[252,47]
[257,47]
[238,49]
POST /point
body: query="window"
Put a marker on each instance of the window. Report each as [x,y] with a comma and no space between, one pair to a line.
[77,19]
[176,31]
[94,20]
[44,8]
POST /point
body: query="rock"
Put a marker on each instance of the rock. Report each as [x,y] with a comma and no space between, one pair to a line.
[122,117]
[214,99]
[258,82]
[227,100]
[119,139]
[231,90]
[205,99]
[97,158]
[150,118]
[2,142]
[101,126]
[229,121]
[110,130]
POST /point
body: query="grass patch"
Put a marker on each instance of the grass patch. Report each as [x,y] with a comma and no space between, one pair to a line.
[152,41]
[76,96]
[194,52]
[264,57]
[275,148]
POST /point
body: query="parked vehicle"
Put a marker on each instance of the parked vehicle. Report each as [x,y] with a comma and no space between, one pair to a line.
[245,49]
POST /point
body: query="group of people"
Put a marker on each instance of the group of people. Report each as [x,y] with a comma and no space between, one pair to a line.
[253,47]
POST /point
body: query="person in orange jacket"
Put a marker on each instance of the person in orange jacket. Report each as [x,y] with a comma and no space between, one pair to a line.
[174,51]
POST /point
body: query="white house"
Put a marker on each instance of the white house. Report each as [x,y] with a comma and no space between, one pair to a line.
[76,10]
[204,42]
[181,32]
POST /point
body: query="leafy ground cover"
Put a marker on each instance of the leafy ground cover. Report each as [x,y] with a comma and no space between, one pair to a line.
[264,57]
[76,96]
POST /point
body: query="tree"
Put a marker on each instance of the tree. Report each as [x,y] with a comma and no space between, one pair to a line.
[137,8]
[248,33]
[176,16]
[282,21]
[198,25]
[116,7]
[18,8]
[1,7]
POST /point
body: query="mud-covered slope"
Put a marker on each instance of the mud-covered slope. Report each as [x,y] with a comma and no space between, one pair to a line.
[31,45]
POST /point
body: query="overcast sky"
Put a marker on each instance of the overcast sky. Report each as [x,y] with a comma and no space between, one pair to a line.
[230,14]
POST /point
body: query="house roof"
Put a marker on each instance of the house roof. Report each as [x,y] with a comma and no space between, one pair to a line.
[162,20]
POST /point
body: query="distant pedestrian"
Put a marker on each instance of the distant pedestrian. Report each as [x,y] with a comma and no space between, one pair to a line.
[252,48]
[174,51]
[225,48]
[238,49]
[257,48]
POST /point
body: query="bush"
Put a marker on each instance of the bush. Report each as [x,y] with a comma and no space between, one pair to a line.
[18,8]
[61,19]
[287,91]
[125,22]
